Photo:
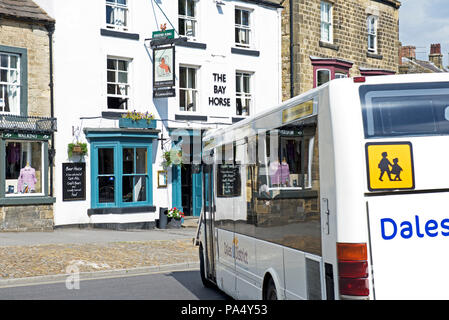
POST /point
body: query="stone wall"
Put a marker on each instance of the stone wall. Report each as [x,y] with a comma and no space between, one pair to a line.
[26,218]
[34,38]
[349,34]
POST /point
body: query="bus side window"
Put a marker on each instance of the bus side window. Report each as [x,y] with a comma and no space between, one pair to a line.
[285,197]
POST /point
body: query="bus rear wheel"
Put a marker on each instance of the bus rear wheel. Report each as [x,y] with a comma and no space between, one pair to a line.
[270,290]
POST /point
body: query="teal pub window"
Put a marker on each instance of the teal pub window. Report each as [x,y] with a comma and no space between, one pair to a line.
[121,171]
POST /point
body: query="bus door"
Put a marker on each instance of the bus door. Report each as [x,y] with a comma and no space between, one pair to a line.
[209,217]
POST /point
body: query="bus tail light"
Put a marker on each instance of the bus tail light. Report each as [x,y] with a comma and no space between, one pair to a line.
[359,79]
[353,269]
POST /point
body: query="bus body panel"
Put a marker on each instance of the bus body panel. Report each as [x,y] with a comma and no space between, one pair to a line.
[225,267]
[248,280]
[349,161]
[409,242]
[328,195]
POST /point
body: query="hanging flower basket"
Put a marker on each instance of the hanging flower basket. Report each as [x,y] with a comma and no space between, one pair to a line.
[78,148]
[133,119]
[172,157]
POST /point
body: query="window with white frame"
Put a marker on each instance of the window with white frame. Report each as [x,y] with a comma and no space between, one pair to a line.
[372,33]
[9,83]
[326,22]
[188,92]
[187,18]
[117,13]
[340,75]
[242,28]
[243,93]
[322,76]
[118,87]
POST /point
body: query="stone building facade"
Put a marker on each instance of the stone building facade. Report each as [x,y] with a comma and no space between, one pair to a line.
[26,117]
[323,40]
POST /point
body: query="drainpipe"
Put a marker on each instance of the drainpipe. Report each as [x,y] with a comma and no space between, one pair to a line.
[52,151]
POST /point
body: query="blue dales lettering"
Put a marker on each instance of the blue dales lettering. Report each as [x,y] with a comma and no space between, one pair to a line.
[431,228]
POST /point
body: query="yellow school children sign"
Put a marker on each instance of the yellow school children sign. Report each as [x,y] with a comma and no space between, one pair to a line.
[390,166]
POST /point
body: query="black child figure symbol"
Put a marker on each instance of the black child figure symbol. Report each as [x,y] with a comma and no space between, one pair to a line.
[384,166]
[396,170]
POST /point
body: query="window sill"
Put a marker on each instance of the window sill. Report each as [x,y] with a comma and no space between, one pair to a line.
[119,34]
[124,210]
[28,200]
[191,44]
[238,118]
[246,52]
[329,45]
[190,116]
[374,55]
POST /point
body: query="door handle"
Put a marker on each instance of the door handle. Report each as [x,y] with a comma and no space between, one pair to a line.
[327,213]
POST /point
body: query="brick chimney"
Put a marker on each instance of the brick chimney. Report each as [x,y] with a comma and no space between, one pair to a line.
[435,55]
[408,52]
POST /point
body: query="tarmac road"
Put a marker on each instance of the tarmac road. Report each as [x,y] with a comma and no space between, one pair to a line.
[178,285]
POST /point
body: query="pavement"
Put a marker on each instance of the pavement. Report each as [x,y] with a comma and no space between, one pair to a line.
[36,257]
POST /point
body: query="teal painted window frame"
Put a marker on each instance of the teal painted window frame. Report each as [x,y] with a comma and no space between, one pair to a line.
[118,146]
[23,53]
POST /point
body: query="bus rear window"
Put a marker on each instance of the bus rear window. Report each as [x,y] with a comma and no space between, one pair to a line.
[418,109]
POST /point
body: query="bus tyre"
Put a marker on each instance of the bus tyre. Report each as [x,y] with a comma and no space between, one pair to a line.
[204,280]
[270,290]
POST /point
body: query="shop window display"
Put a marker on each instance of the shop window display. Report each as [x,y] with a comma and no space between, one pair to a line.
[23,168]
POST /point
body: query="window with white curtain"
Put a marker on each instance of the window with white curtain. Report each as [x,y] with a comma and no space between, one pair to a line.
[117,14]
[118,83]
[9,83]
[243,93]
[188,92]
[372,33]
[326,22]
[242,28]
[187,18]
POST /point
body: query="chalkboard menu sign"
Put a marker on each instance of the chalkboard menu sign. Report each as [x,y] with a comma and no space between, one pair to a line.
[73,181]
[228,180]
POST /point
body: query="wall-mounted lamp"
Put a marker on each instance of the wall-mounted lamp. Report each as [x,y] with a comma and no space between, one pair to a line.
[219,3]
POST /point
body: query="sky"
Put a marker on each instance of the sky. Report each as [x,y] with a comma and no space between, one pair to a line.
[423,22]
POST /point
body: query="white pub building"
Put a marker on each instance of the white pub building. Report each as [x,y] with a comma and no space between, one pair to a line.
[195,65]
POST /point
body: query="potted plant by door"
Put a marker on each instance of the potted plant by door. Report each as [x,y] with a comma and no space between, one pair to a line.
[175,217]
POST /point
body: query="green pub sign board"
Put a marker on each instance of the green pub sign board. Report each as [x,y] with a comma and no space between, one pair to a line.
[167,34]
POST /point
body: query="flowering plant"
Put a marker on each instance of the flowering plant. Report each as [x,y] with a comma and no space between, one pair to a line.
[175,213]
[136,116]
[172,157]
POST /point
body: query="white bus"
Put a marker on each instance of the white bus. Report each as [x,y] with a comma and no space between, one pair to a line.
[339,193]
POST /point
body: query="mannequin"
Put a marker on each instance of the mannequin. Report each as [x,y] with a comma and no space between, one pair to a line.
[27,179]
[280,173]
